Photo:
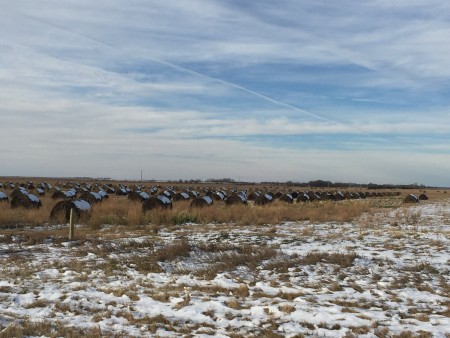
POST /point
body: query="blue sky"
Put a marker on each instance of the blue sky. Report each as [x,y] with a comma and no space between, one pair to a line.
[258,90]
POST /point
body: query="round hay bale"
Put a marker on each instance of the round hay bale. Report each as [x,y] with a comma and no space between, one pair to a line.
[324,196]
[200,202]
[218,196]
[26,201]
[121,192]
[69,194]
[236,199]
[181,196]
[294,194]
[253,196]
[278,194]
[411,199]
[4,197]
[58,194]
[423,197]
[91,197]
[362,195]
[168,193]
[263,199]
[18,192]
[156,202]
[339,196]
[313,196]
[194,193]
[302,198]
[103,194]
[81,208]
[287,198]
[153,190]
[348,195]
[138,196]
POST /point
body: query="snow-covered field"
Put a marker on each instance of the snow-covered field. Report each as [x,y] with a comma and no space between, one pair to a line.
[385,275]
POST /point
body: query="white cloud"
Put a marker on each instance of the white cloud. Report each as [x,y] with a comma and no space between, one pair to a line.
[178,85]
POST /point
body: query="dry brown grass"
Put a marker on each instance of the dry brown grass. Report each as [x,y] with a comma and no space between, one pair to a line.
[344,260]
[50,329]
[118,210]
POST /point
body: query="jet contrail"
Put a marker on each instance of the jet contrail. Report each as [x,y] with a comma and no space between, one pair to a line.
[224,82]
[189,71]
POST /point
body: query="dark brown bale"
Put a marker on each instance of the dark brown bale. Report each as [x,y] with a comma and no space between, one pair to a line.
[355,196]
[263,199]
[348,195]
[156,202]
[253,196]
[3,197]
[362,195]
[194,193]
[110,190]
[103,194]
[303,198]
[313,196]
[200,202]
[278,194]
[324,196]
[339,196]
[18,192]
[25,201]
[287,198]
[235,199]
[137,196]
[121,192]
[58,194]
[81,209]
[331,197]
[168,193]
[423,197]
[91,197]
[218,196]
[181,196]
[411,199]
[294,194]
[69,194]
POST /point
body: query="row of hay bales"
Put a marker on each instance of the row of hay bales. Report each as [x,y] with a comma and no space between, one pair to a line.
[44,187]
[230,196]
[82,205]
[243,198]
[411,198]
[21,198]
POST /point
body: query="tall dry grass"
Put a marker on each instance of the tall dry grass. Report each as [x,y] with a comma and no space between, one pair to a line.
[10,217]
[121,211]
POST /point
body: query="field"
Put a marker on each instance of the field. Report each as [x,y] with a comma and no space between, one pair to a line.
[371,268]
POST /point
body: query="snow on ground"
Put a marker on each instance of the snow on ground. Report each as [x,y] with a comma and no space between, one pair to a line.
[386,275]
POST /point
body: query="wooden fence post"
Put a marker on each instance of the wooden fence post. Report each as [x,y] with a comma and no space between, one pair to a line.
[71,226]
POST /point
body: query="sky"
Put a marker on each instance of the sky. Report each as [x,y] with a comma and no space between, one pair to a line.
[294,90]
